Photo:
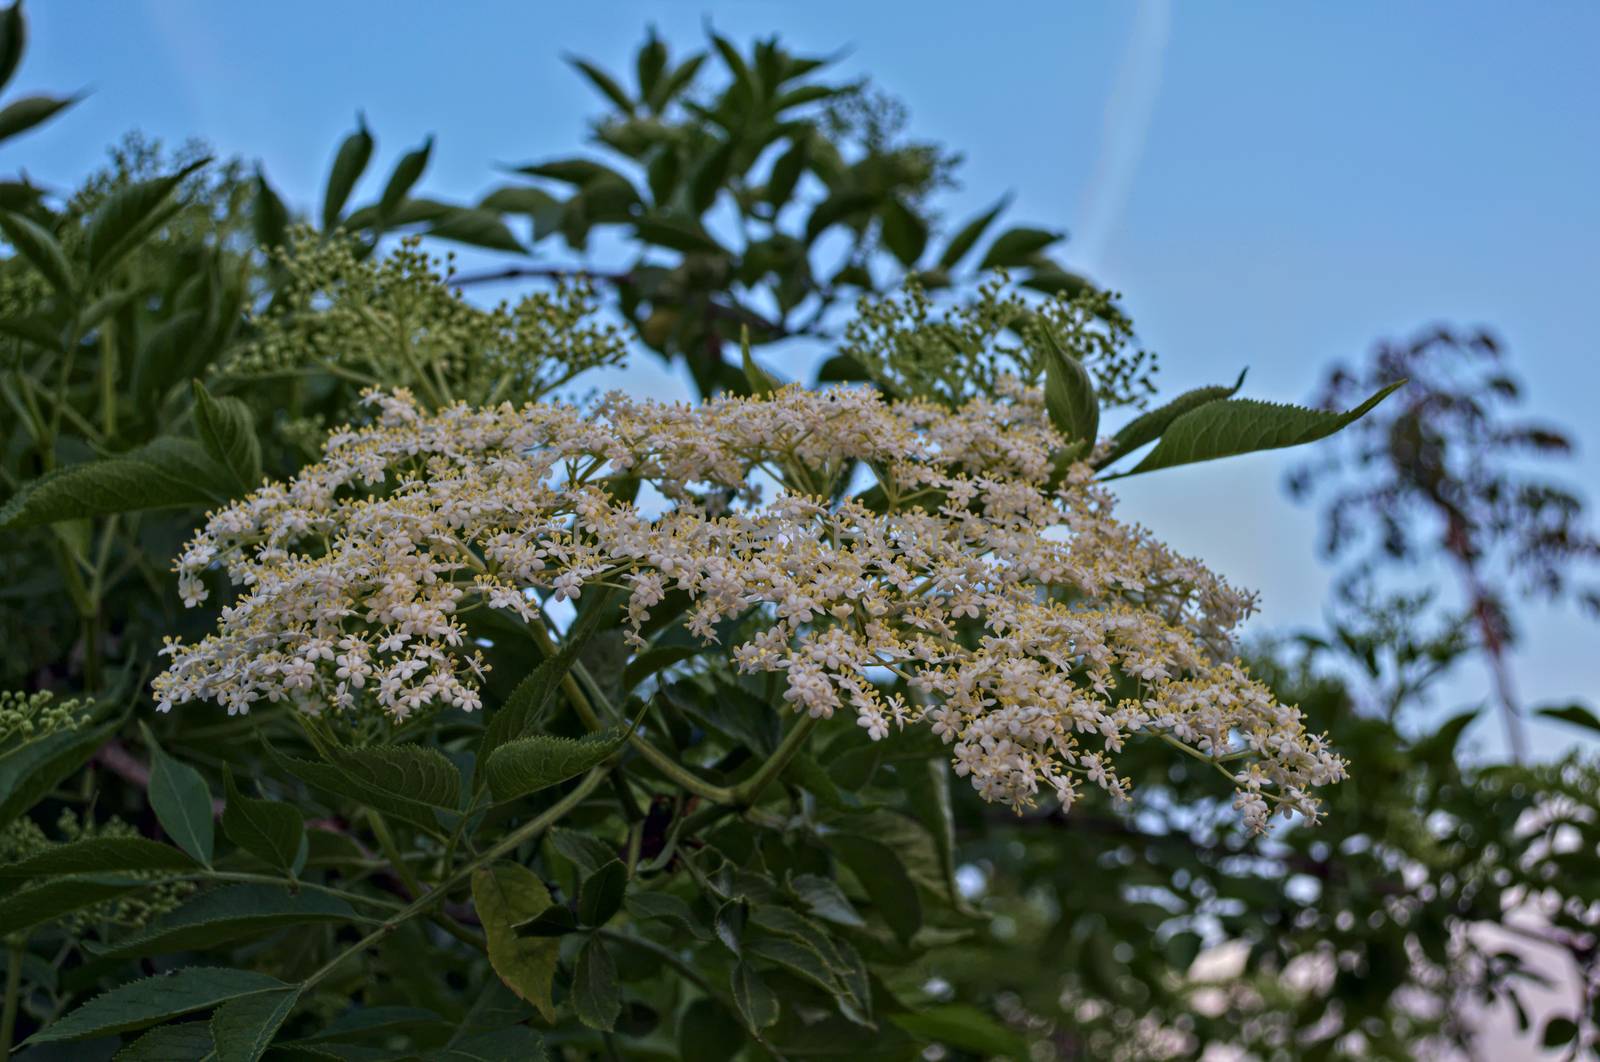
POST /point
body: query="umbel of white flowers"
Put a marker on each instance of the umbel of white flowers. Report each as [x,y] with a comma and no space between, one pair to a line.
[1034,632]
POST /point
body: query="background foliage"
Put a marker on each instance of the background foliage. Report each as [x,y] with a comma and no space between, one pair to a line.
[173,332]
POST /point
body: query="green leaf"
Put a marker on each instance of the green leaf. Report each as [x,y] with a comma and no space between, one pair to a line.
[1241,426]
[583,850]
[678,234]
[656,659]
[823,898]
[710,176]
[596,994]
[24,114]
[515,1044]
[836,208]
[233,912]
[30,771]
[654,905]
[786,171]
[270,216]
[805,959]
[708,1033]
[538,204]
[182,802]
[49,900]
[165,473]
[128,216]
[348,165]
[41,250]
[1015,246]
[1149,426]
[506,895]
[904,233]
[155,999]
[13,41]
[650,63]
[969,234]
[228,432]
[99,855]
[604,82]
[757,1003]
[1574,713]
[409,782]
[405,174]
[191,1039]
[532,696]
[889,886]
[600,895]
[963,1027]
[270,830]
[530,764]
[244,1028]
[476,228]
[1069,395]
[362,1022]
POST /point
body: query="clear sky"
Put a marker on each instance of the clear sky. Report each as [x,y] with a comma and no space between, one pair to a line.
[1270,185]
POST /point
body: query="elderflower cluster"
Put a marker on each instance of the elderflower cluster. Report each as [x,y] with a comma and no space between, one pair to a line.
[973,589]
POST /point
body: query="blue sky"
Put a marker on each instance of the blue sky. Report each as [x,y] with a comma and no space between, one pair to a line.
[1270,185]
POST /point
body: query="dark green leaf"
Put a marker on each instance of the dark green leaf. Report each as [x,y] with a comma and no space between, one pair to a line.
[270,216]
[678,234]
[1575,713]
[708,1033]
[904,233]
[757,1003]
[190,1039]
[270,830]
[1149,426]
[969,234]
[600,895]
[228,432]
[98,855]
[406,173]
[604,82]
[182,802]
[49,900]
[880,871]
[836,208]
[527,765]
[409,782]
[128,216]
[596,994]
[1241,426]
[348,165]
[1069,396]
[824,899]
[646,905]
[163,474]
[233,912]
[155,999]
[710,176]
[477,228]
[13,41]
[30,771]
[242,1029]
[526,706]
[515,1044]
[41,250]
[1015,246]
[24,114]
